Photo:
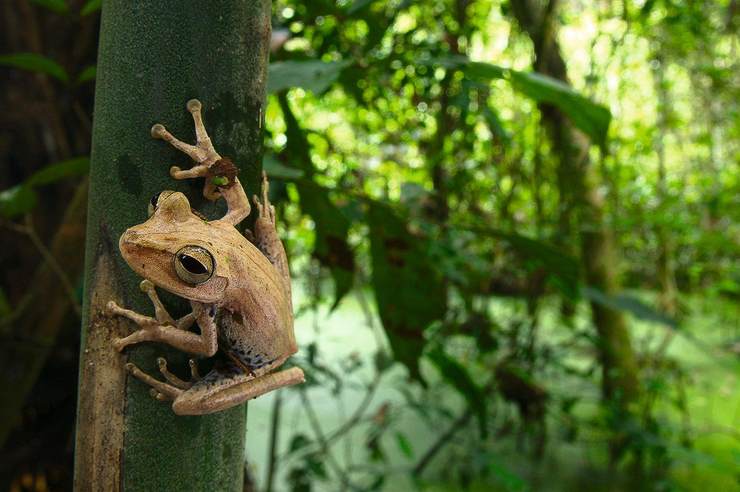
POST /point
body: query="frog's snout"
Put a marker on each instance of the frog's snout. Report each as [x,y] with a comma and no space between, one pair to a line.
[129,243]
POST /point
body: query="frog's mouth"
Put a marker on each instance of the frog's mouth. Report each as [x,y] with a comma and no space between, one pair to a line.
[147,256]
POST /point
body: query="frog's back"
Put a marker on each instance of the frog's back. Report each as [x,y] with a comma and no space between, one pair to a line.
[256,320]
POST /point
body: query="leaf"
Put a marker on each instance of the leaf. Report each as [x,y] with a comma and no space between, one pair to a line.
[17,201]
[88,73]
[590,117]
[593,119]
[34,62]
[90,7]
[58,6]
[563,270]
[312,75]
[275,169]
[630,304]
[298,442]
[59,170]
[332,226]
[458,377]
[404,445]
[409,291]
[357,6]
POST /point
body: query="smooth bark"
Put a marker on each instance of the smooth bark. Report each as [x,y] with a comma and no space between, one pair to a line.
[153,57]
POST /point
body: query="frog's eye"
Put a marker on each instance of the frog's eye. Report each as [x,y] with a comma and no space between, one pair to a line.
[194,264]
[157,198]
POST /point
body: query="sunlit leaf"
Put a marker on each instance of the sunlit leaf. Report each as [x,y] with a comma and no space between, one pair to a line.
[55,172]
[590,117]
[33,62]
[58,6]
[90,7]
[311,75]
[16,201]
[332,226]
[593,119]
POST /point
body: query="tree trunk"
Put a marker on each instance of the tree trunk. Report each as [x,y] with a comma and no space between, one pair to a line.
[619,368]
[665,264]
[153,58]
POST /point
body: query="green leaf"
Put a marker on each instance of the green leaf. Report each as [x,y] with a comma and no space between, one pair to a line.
[404,445]
[34,62]
[630,304]
[458,377]
[55,172]
[276,169]
[17,201]
[357,6]
[90,7]
[88,73]
[593,119]
[58,6]
[409,291]
[563,270]
[332,226]
[298,442]
[311,75]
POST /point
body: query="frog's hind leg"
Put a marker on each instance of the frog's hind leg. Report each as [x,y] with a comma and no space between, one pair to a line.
[167,391]
[266,237]
[228,386]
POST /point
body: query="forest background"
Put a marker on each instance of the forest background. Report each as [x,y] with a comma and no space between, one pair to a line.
[513,231]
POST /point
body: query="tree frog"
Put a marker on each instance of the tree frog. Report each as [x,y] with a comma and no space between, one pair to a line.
[239,289]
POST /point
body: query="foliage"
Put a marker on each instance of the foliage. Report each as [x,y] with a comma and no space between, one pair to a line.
[410,160]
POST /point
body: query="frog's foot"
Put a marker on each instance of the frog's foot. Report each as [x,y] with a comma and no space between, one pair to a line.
[160,312]
[264,207]
[176,381]
[203,152]
[146,322]
[161,390]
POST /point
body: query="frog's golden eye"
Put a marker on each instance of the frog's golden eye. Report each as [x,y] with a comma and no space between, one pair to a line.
[194,264]
[157,198]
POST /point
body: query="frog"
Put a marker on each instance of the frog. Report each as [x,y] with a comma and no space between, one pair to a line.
[238,286]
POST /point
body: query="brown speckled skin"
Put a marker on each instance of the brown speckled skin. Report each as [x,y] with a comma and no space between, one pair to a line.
[244,307]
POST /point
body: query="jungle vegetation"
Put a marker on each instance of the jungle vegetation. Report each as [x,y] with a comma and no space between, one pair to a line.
[530,207]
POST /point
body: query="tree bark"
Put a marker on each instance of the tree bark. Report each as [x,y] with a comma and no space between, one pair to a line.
[665,265]
[619,368]
[153,57]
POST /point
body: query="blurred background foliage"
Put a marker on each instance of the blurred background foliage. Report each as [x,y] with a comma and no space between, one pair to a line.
[513,231]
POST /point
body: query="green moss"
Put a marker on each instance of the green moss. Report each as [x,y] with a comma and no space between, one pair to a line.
[153,58]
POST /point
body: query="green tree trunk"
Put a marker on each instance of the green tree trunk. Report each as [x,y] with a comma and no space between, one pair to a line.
[619,367]
[153,57]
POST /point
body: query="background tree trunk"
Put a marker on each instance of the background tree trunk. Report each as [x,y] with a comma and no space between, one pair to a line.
[665,265]
[619,368]
[153,57]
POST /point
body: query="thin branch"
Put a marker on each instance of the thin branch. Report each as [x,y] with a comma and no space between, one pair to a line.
[445,438]
[323,443]
[274,434]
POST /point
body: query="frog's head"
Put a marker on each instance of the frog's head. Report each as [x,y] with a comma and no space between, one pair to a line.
[177,250]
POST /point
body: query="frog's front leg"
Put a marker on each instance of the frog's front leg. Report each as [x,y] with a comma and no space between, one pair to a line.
[220,173]
[173,333]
